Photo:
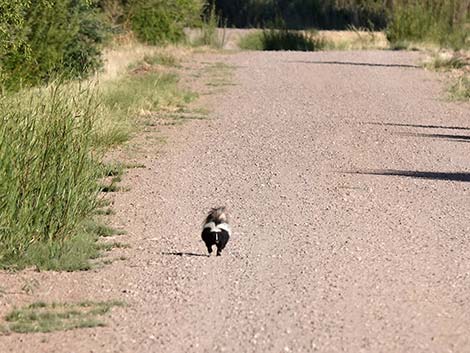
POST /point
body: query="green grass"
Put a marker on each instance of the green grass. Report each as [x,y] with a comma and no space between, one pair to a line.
[102,230]
[44,317]
[141,94]
[434,22]
[48,171]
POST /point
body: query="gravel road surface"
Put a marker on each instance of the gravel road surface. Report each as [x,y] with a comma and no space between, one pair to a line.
[347,177]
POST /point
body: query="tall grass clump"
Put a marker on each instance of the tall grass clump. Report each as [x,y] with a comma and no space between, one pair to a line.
[47,178]
[460,89]
[282,39]
[209,35]
[441,22]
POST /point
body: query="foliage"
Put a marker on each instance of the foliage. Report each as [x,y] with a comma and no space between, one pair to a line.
[442,22]
[159,21]
[47,175]
[50,143]
[209,34]
[50,39]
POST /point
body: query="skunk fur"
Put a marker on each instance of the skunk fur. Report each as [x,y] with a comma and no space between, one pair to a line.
[216,230]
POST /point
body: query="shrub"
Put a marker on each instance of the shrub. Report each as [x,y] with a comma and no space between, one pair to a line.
[159,21]
[53,39]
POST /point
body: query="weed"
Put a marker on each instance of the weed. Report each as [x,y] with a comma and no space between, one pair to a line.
[252,41]
[209,35]
[30,286]
[43,317]
[102,230]
[113,245]
[460,90]
[446,62]
[105,212]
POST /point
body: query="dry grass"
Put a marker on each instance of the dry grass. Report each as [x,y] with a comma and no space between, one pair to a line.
[117,59]
[354,40]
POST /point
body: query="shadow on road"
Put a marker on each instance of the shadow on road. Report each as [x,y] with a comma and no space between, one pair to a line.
[457,138]
[355,64]
[183,254]
[420,126]
[463,177]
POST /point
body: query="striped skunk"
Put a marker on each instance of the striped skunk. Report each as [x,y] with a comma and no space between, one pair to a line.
[216,230]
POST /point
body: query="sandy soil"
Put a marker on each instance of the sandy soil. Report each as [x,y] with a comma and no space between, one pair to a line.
[347,176]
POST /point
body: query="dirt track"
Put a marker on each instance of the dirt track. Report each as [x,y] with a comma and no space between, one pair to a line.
[347,176]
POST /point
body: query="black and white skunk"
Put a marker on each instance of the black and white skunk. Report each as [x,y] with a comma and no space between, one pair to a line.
[216,230]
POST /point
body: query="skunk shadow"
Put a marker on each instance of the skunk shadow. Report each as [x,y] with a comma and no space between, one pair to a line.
[181,253]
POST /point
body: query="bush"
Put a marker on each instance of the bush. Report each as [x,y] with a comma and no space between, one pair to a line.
[53,39]
[159,21]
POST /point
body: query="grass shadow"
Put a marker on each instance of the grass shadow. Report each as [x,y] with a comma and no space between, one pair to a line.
[350,63]
[448,137]
[446,176]
[424,126]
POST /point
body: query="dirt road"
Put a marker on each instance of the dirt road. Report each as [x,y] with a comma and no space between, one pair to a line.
[347,175]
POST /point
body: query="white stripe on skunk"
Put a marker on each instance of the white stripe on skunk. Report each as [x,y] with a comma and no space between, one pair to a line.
[217,228]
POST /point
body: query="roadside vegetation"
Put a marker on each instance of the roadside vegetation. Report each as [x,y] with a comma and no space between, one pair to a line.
[58,121]
[52,141]
[44,317]
[457,66]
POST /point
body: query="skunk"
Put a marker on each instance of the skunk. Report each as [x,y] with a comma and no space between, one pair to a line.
[216,230]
